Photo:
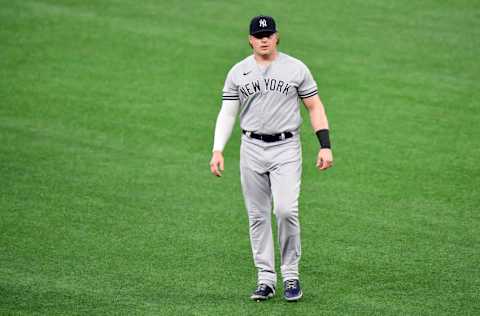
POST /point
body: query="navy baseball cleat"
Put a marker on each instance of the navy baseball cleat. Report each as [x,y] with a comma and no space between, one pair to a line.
[263,292]
[292,291]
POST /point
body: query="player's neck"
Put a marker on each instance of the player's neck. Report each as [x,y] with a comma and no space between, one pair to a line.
[265,59]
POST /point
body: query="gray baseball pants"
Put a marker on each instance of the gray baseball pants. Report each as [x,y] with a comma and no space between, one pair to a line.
[271,174]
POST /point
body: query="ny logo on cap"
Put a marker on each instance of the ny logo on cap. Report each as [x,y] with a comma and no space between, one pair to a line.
[262,23]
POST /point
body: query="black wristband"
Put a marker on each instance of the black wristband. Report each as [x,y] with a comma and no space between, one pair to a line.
[323,138]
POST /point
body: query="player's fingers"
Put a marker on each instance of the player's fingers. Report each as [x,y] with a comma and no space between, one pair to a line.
[320,166]
[214,169]
[326,164]
[221,165]
[217,170]
[323,165]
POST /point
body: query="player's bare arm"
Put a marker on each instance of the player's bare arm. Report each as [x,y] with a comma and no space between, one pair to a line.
[319,122]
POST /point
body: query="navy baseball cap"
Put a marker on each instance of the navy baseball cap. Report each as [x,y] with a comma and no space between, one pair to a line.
[262,24]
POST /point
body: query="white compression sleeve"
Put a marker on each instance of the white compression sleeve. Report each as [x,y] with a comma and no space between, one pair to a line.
[225,122]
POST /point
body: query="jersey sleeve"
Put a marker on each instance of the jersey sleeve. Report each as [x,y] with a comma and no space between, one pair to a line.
[230,89]
[308,86]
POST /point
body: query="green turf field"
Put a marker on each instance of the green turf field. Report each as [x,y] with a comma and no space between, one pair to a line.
[107,205]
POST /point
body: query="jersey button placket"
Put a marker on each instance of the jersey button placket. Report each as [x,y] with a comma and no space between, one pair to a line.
[264,96]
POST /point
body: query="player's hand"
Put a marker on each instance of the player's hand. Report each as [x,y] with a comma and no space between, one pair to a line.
[324,159]
[216,163]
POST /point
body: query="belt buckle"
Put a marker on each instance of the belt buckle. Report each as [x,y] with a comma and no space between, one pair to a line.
[248,133]
[282,136]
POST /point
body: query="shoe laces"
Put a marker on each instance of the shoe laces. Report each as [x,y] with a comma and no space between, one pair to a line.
[291,284]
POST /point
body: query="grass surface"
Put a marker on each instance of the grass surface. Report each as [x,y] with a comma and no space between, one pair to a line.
[106,120]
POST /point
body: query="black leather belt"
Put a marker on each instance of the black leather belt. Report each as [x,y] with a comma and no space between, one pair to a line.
[268,138]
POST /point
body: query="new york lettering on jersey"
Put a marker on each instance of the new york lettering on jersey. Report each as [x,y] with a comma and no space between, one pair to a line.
[268,84]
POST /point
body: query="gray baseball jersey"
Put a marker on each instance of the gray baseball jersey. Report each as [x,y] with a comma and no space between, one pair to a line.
[269,97]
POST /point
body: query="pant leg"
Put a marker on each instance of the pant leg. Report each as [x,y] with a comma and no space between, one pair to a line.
[285,184]
[258,201]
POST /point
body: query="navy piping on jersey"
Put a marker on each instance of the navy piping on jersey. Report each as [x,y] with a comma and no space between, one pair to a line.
[230,96]
[307,95]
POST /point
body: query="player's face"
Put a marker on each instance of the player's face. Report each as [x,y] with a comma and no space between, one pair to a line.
[264,44]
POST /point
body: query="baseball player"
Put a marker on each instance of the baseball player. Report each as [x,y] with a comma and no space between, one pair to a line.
[265,89]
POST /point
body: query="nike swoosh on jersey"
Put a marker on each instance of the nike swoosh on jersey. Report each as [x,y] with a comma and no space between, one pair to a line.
[246,73]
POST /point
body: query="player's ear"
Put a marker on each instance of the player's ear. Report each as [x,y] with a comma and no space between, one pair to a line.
[250,39]
[278,38]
